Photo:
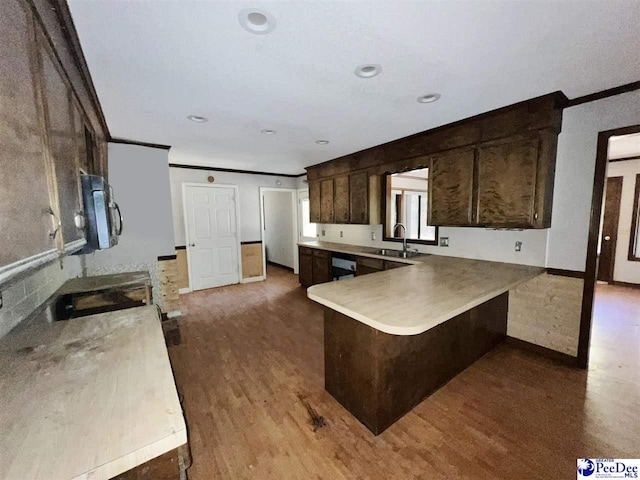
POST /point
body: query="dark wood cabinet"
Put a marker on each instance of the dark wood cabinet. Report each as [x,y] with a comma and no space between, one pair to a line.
[341,199]
[359,197]
[507,183]
[314,201]
[389,265]
[314,266]
[451,188]
[326,201]
[366,265]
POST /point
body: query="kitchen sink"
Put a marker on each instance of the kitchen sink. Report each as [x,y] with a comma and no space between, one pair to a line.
[397,253]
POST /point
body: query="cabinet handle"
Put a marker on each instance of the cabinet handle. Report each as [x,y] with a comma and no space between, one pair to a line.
[535,216]
[607,238]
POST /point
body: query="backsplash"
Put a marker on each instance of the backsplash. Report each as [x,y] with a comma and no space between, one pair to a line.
[479,243]
[21,298]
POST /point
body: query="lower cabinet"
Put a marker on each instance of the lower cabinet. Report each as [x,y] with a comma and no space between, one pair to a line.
[314,266]
[366,265]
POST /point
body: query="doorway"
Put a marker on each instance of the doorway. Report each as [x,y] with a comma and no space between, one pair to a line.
[279,226]
[211,228]
[307,231]
[610,226]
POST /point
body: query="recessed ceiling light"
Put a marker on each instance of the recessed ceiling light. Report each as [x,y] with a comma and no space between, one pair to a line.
[256,20]
[368,71]
[268,131]
[197,118]
[429,98]
[322,142]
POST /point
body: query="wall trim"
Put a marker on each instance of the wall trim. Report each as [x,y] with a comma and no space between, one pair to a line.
[231,170]
[554,355]
[181,247]
[252,279]
[125,141]
[253,242]
[610,92]
[565,273]
[623,159]
[280,266]
[184,290]
[626,284]
[166,257]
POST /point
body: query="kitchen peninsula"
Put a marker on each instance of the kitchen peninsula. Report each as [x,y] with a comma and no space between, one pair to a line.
[394,337]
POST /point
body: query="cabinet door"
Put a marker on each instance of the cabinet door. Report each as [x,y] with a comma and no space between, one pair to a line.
[341,199]
[359,197]
[391,265]
[25,223]
[321,270]
[451,188]
[326,201]
[506,183]
[314,201]
[305,274]
[63,148]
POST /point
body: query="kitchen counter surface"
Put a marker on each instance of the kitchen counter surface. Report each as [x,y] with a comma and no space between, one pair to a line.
[414,299]
[87,398]
[362,251]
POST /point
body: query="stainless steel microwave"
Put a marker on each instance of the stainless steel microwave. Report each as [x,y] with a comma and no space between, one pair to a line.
[102,213]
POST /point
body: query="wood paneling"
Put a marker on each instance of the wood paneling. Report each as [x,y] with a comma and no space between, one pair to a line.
[321,269]
[359,197]
[305,268]
[169,295]
[315,201]
[380,377]
[451,188]
[182,265]
[507,182]
[24,182]
[326,201]
[341,199]
[251,260]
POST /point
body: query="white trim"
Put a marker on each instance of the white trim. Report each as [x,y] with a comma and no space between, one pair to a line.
[182,291]
[252,279]
[13,269]
[303,192]
[186,223]
[294,211]
[74,246]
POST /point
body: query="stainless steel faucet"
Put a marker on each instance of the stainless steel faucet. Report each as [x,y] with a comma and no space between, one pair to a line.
[404,235]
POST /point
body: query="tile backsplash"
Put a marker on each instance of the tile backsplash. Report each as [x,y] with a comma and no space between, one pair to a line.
[21,298]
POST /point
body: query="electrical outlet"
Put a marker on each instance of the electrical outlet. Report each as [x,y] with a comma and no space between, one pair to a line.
[444,241]
[518,246]
[373,235]
[340,233]
[324,232]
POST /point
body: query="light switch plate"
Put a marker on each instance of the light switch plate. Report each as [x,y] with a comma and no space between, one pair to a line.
[444,241]
[324,232]
[518,246]
[340,233]
[373,235]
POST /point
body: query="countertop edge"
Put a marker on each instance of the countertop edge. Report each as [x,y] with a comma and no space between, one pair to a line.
[418,329]
[408,261]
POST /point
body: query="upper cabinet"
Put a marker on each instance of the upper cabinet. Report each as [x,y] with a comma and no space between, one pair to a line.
[43,144]
[341,199]
[493,170]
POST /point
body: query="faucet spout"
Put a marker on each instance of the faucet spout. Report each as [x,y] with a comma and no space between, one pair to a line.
[404,235]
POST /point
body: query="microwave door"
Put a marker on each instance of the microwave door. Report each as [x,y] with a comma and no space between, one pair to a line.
[102,218]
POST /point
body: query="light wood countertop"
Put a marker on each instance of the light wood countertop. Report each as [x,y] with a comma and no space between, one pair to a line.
[413,299]
[362,251]
[87,398]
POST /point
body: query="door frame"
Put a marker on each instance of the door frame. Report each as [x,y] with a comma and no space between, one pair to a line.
[186,223]
[591,264]
[301,238]
[294,209]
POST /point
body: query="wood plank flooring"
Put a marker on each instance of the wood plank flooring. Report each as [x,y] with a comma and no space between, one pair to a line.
[252,355]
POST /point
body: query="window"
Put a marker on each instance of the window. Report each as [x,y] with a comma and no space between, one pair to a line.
[634,243]
[308,229]
[407,203]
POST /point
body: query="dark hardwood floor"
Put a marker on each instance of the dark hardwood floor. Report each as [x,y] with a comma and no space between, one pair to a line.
[252,358]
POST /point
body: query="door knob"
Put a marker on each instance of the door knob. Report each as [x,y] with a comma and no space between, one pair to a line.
[192,244]
[607,238]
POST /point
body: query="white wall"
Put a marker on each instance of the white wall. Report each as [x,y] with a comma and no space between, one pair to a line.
[278,232]
[140,180]
[249,192]
[575,165]
[624,270]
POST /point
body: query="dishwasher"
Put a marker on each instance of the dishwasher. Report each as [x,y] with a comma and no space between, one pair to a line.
[343,266]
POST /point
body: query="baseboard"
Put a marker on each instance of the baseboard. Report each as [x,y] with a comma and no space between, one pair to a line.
[562,358]
[174,313]
[252,279]
[184,290]
[625,284]
[280,266]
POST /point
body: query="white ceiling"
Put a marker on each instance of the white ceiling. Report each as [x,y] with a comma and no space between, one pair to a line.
[624,146]
[155,62]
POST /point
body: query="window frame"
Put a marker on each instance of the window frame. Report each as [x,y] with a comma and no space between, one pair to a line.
[634,237]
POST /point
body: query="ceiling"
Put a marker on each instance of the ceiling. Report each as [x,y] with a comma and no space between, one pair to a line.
[154,63]
[624,146]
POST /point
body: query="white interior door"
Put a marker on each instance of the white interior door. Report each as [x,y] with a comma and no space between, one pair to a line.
[212,236]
